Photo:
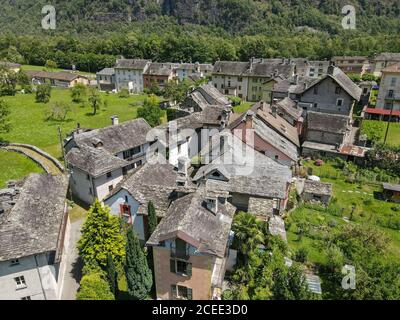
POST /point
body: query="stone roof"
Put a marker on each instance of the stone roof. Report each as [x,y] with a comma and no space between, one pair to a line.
[154,181]
[33,224]
[189,218]
[138,64]
[106,72]
[95,161]
[342,80]
[392,187]
[230,67]
[393,68]
[317,187]
[290,107]
[332,123]
[212,95]
[61,76]
[388,56]
[269,69]
[116,138]
[294,85]
[160,69]
[244,170]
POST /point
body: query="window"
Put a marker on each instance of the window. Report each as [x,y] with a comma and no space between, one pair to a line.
[87,177]
[365,91]
[109,174]
[131,152]
[26,298]
[393,81]
[90,191]
[390,94]
[181,267]
[181,292]
[125,213]
[315,105]
[240,79]
[339,102]
[338,90]
[20,282]
[276,157]
[14,262]
[110,188]
[126,199]
[315,89]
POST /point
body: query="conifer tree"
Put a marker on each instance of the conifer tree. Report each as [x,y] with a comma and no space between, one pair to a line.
[112,275]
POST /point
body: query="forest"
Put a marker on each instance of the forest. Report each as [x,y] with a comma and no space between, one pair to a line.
[92,34]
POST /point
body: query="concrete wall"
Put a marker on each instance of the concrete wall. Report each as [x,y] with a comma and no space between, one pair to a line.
[118,199]
[102,183]
[224,82]
[386,85]
[199,282]
[327,98]
[40,278]
[123,77]
[324,137]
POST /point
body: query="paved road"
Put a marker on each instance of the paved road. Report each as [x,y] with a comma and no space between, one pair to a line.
[73,272]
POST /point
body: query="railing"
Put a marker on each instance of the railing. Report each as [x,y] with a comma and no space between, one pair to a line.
[180,255]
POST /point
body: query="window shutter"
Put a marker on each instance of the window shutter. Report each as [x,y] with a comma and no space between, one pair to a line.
[172,266]
[189,294]
[174,291]
[189,269]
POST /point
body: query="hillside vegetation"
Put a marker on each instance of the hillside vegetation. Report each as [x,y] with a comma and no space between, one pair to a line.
[91,33]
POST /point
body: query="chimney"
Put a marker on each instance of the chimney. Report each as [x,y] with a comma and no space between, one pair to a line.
[331,69]
[114,120]
[273,110]
[248,124]
[299,126]
[276,72]
[212,204]
[183,165]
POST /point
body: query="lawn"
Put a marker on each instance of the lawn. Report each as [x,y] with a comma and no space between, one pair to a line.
[352,203]
[14,166]
[27,67]
[243,107]
[381,127]
[29,123]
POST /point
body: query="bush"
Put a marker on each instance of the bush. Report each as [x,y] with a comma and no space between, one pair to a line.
[94,287]
[43,93]
[124,93]
[301,255]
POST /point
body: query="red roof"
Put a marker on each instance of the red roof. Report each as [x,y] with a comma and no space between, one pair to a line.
[384,112]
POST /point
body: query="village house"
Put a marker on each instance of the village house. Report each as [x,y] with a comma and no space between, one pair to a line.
[326,133]
[57,79]
[315,191]
[202,97]
[290,111]
[228,78]
[190,247]
[106,79]
[291,87]
[366,88]
[155,181]
[352,64]
[129,74]
[191,71]
[383,60]
[99,159]
[334,93]
[273,136]
[312,69]
[159,74]
[33,238]
[389,88]
[256,183]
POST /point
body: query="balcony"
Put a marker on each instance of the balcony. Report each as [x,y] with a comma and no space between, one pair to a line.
[182,255]
[392,97]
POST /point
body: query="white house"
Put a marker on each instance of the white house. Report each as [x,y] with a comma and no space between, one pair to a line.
[99,159]
[129,74]
[34,230]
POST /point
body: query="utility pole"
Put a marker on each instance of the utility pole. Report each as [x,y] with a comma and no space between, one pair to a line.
[388,125]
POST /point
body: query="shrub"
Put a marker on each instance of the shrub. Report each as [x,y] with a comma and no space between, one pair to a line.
[94,287]
[124,93]
[301,255]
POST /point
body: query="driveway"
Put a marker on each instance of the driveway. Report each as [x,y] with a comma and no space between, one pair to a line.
[73,272]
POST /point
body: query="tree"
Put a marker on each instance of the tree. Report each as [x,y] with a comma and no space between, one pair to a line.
[5,125]
[78,93]
[94,287]
[43,93]
[152,217]
[50,64]
[8,81]
[138,274]
[101,235]
[247,232]
[176,91]
[95,100]
[112,275]
[58,111]
[150,111]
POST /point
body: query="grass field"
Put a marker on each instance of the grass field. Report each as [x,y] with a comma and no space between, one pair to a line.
[244,106]
[353,203]
[27,67]
[393,134]
[14,166]
[29,123]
